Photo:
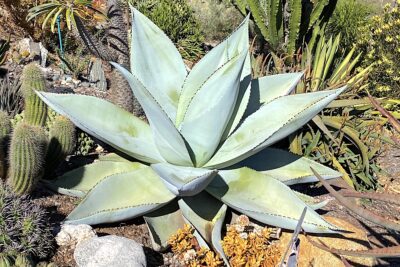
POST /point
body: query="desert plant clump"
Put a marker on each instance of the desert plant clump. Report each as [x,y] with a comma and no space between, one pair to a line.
[177,20]
[24,226]
[5,129]
[28,147]
[35,109]
[62,141]
[188,251]
[381,41]
[248,244]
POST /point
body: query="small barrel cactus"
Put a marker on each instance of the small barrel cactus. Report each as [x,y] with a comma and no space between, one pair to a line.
[62,142]
[35,108]
[26,157]
[24,227]
[5,128]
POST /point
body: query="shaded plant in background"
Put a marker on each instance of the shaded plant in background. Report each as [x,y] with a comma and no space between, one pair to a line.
[176,18]
[217,19]
[4,46]
[347,19]
[285,24]
[195,163]
[10,96]
[381,41]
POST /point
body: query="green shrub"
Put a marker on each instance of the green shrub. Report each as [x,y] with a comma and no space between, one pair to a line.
[176,18]
[381,41]
[346,20]
[217,18]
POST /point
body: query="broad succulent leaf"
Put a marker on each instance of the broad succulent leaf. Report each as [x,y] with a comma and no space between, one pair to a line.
[156,62]
[123,131]
[269,124]
[217,95]
[274,86]
[245,191]
[235,44]
[169,141]
[184,181]
[286,167]
[121,197]
[163,223]
[243,98]
[80,181]
[208,222]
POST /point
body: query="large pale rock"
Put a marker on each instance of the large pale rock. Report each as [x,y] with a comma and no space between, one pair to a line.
[70,234]
[313,256]
[108,251]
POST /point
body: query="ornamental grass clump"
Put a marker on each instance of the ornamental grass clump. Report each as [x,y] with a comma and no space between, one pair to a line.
[204,148]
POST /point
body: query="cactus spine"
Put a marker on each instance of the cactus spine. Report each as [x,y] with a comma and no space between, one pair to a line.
[26,159]
[62,142]
[35,108]
[5,128]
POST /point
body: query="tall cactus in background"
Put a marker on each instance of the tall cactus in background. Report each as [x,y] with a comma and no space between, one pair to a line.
[35,109]
[28,155]
[5,128]
[26,160]
[62,142]
[284,24]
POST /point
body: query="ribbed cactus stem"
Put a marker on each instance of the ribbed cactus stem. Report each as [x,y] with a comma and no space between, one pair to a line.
[35,108]
[62,143]
[26,160]
[5,129]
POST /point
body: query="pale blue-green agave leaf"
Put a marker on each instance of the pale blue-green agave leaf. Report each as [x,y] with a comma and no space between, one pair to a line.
[270,123]
[265,199]
[235,44]
[274,86]
[184,181]
[202,127]
[207,221]
[286,167]
[122,197]
[169,141]
[108,123]
[156,62]
[163,223]
[80,181]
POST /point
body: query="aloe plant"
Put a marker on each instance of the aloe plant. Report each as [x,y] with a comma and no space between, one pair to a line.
[205,147]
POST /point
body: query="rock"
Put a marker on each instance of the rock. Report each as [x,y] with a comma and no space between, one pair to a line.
[43,55]
[36,51]
[313,256]
[109,250]
[71,235]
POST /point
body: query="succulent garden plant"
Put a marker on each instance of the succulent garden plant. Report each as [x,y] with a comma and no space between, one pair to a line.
[24,228]
[205,147]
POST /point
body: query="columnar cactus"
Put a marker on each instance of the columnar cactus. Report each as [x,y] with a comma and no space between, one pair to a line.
[35,109]
[62,142]
[5,128]
[26,159]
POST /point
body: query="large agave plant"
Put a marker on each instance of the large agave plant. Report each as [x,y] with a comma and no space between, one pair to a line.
[204,148]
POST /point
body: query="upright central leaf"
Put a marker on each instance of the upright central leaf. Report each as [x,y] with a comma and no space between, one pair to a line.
[211,108]
[157,63]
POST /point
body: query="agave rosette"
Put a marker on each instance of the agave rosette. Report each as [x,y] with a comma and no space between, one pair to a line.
[205,147]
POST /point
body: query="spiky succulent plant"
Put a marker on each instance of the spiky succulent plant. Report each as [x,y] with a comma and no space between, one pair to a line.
[204,148]
[24,226]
